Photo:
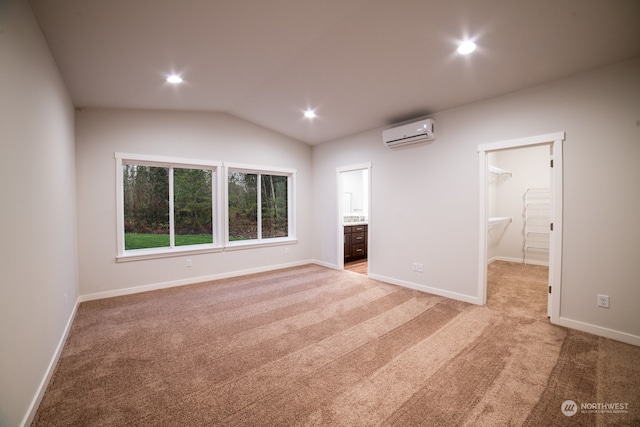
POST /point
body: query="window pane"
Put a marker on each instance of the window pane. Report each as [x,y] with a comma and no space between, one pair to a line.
[274,206]
[146,206]
[243,206]
[192,206]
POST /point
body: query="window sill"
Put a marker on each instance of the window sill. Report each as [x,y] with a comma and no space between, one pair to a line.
[249,244]
[144,254]
[147,254]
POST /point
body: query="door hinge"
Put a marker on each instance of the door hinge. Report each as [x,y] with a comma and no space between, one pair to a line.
[551,162]
[549,289]
[551,226]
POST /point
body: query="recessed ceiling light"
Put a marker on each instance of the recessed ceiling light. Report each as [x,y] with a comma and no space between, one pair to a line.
[174,78]
[309,114]
[466,47]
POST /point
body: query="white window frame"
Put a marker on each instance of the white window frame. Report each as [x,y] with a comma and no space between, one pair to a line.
[291,206]
[171,162]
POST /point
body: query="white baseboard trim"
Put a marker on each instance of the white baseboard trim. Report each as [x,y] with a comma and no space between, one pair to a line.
[506,259]
[517,260]
[600,331]
[532,262]
[427,289]
[189,281]
[35,403]
[325,264]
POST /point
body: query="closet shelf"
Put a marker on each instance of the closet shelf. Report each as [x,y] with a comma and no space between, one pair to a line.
[497,175]
[497,171]
[537,209]
[497,220]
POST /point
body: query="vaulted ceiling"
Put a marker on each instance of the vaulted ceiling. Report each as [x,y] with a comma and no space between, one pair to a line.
[360,64]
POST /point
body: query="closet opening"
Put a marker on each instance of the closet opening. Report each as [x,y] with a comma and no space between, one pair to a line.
[518,205]
[521,223]
[354,212]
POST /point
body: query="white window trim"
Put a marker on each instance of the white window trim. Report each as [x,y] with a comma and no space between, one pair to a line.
[161,161]
[219,206]
[291,206]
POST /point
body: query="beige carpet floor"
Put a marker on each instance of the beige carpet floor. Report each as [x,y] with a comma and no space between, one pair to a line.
[310,346]
[518,289]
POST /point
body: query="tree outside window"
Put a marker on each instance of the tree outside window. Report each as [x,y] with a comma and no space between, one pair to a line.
[257,214]
[243,206]
[160,215]
[171,206]
[193,213]
[275,218]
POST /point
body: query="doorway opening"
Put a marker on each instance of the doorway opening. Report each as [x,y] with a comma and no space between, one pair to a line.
[522,233]
[354,214]
[518,205]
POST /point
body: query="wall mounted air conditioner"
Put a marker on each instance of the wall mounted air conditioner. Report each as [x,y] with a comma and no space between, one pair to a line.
[412,133]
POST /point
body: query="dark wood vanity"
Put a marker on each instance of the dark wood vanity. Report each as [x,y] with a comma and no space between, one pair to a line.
[355,242]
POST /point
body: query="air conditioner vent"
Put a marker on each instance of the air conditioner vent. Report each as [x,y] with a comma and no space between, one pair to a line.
[412,133]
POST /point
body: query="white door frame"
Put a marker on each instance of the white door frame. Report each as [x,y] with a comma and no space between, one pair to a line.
[339,171]
[555,239]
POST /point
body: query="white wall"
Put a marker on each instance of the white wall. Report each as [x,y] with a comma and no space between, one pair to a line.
[38,216]
[193,135]
[529,168]
[425,205]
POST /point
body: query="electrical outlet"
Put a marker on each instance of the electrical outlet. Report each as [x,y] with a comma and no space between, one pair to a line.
[414,266]
[286,250]
[603,301]
[189,262]
[420,267]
